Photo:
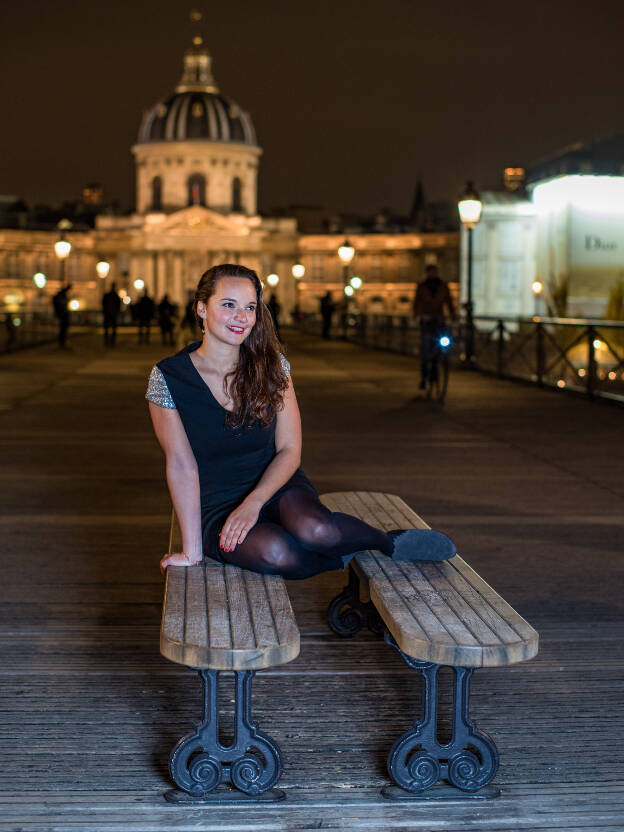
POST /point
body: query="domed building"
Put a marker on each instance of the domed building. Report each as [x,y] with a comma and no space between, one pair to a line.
[196,147]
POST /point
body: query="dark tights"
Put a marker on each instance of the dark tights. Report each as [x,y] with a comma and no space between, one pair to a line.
[298,537]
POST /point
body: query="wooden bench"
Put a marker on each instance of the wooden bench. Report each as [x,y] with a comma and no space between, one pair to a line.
[221,618]
[434,614]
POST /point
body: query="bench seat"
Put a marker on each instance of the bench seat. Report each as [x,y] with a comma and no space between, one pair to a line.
[226,618]
[434,614]
[439,612]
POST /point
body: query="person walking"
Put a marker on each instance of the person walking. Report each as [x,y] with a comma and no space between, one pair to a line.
[275,307]
[60,303]
[144,313]
[166,314]
[327,312]
[111,307]
[225,413]
[431,301]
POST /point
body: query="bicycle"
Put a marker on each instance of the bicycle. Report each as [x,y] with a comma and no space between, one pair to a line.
[436,381]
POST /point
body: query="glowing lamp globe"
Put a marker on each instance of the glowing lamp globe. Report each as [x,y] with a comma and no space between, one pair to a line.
[349,291]
[40,280]
[298,271]
[356,282]
[273,279]
[537,287]
[102,268]
[74,305]
[62,248]
[469,206]
[139,284]
[346,252]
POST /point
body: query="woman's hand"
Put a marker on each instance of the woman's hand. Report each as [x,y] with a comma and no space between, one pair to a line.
[239,524]
[178,559]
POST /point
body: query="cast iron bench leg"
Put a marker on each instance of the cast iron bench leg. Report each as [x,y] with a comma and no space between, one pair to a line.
[346,614]
[417,760]
[199,763]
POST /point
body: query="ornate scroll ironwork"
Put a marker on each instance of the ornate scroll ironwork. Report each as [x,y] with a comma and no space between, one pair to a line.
[417,760]
[199,762]
[346,614]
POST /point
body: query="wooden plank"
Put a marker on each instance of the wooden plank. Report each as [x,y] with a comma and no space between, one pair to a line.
[195,618]
[217,602]
[238,607]
[281,609]
[172,624]
[265,632]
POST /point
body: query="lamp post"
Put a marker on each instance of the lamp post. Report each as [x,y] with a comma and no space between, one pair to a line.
[346,252]
[537,287]
[298,271]
[469,207]
[62,248]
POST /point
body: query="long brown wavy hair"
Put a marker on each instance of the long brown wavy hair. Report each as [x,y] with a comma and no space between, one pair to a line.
[258,382]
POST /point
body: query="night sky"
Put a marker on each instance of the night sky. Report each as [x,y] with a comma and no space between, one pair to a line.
[352,101]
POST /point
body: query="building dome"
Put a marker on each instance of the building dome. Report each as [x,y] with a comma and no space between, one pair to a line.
[197,111]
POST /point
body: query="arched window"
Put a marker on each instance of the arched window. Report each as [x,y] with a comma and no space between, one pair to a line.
[237,187]
[157,194]
[197,189]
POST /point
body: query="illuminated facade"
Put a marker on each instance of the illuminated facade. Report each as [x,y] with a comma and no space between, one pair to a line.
[568,234]
[196,160]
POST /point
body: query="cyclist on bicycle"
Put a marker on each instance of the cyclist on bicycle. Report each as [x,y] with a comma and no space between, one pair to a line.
[432,297]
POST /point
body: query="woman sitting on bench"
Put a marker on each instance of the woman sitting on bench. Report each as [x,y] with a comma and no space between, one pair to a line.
[225,413]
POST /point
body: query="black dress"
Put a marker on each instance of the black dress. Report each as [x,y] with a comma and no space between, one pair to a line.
[230,461]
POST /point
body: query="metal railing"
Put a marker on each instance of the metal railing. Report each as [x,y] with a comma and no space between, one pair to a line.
[574,354]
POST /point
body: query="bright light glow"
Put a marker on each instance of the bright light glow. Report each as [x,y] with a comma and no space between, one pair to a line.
[561,383]
[273,279]
[74,305]
[598,345]
[445,341]
[356,282]
[122,293]
[601,194]
[13,298]
[139,284]
[581,372]
[102,268]
[126,299]
[537,287]
[612,375]
[346,252]
[298,270]
[349,291]
[40,280]
[17,321]
[62,249]
[469,211]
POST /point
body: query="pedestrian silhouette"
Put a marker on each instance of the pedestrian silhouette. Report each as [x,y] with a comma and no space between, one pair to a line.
[60,302]
[275,308]
[111,307]
[327,311]
[166,314]
[144,313]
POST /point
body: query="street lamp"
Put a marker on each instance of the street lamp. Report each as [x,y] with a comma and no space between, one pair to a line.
[102,267]
[273,280]
[346,252]
[537,287]
[62,247]
[356,282]
[298,271]
[469,207]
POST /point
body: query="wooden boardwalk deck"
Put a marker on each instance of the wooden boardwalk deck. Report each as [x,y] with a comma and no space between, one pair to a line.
[529,485]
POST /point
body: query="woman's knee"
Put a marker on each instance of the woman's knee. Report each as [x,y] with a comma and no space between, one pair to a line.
[316,531]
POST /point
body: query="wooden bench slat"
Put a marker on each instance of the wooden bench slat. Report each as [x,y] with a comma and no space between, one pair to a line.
[428,607]
[219,630]
[281,608]
[240,616]
[441,612]
[172,627]
[265,633]
[195,628]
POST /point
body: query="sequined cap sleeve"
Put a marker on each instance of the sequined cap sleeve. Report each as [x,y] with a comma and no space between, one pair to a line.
[285,364]
[157,390]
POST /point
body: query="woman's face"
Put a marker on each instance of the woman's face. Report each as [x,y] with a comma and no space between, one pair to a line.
[230,314]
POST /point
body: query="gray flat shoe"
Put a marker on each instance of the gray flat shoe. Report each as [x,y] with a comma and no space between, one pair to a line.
[421,544]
